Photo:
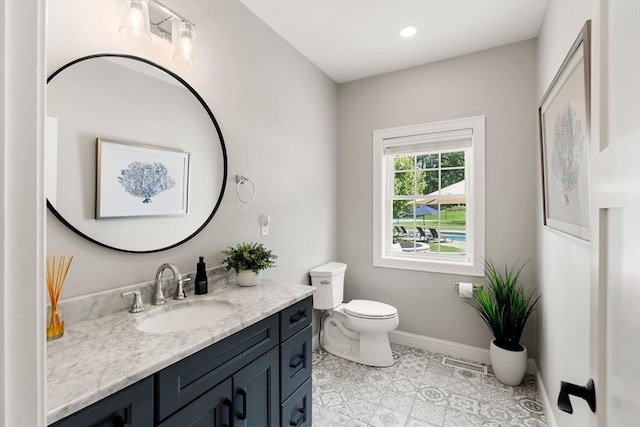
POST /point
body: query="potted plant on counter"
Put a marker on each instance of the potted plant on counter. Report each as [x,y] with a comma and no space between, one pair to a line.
[248,260]
[505,308]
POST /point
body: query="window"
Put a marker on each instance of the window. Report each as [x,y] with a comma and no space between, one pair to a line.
[428,196]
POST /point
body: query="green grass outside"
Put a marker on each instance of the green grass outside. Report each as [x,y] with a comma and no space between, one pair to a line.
[449,220]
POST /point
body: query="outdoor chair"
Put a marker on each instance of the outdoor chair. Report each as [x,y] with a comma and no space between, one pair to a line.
[435,237]
[405,232]
[423,236]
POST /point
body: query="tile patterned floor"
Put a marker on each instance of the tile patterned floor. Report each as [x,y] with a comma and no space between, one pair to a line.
[417,391]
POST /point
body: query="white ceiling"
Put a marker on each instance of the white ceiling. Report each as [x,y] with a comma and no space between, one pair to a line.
[353,39]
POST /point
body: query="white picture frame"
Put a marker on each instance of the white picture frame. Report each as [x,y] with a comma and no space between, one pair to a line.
[134,180]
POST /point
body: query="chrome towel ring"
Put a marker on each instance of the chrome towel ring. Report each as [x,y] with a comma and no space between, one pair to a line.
[240,179]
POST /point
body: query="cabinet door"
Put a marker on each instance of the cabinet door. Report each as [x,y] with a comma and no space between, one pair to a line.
[131,407]
[256,392]
[212,409]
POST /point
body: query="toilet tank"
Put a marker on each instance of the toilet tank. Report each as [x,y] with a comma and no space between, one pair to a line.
[329,282]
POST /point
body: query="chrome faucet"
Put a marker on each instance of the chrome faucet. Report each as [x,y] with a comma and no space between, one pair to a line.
[158,297]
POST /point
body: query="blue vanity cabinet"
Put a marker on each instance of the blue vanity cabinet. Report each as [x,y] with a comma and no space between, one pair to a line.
[131,407]
[257,377]
[295,365]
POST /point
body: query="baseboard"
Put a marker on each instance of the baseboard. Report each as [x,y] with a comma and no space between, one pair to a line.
[544,399]
[449,348]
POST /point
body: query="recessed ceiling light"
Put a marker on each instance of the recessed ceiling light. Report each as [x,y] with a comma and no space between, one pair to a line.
[408,31]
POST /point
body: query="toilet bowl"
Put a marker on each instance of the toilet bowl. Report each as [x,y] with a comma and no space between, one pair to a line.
[357,330]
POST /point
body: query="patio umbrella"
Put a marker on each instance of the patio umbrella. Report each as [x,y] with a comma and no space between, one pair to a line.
[457,189]
[424,210]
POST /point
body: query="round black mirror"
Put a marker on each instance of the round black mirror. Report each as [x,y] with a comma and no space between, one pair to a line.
[135,159]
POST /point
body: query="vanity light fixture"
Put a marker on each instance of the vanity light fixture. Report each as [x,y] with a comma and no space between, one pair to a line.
[141,18]
[408,32]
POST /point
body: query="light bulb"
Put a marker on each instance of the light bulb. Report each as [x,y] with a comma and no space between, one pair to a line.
[408,32]
[185,51]
[135,22]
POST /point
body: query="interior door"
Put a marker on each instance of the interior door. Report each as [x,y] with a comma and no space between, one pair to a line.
[615,184]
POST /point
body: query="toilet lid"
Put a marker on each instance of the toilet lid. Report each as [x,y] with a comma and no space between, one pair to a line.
[370,309]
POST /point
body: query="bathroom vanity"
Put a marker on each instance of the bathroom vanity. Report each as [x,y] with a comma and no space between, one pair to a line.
[250,368]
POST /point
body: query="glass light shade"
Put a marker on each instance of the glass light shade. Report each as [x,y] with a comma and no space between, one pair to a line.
[184,44]
[135,21]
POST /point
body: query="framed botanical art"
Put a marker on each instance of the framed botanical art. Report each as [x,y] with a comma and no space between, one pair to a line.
[140,180]
[564,120]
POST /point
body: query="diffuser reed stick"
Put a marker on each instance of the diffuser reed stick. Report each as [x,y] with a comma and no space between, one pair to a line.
[56,275]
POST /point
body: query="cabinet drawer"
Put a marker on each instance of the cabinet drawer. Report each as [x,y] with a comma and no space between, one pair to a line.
[187,379]
[296,410]
[131,407]
[295,362]
[295,318]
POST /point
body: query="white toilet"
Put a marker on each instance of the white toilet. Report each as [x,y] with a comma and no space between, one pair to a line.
[356,331]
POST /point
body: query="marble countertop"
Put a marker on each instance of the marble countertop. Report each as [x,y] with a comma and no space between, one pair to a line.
[98,357]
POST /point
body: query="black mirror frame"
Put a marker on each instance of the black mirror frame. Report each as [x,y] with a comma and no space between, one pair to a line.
[57,214]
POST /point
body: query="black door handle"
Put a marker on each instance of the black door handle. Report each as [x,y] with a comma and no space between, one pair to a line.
[296,362]
[587,393]
[300,314]
[226,403]
[242,415]
[300,420]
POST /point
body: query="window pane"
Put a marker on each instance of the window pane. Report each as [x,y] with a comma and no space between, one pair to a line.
[402,209]
[452,181]
[450,235]
[452,159]
[403,163]
[427,161]
[431,182]
[404,184]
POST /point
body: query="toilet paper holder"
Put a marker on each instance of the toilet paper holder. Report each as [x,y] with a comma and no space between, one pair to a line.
[475,286]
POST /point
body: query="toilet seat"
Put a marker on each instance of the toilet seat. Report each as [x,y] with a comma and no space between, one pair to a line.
[366,309]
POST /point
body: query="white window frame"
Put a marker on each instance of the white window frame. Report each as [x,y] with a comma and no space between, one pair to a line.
[475,169]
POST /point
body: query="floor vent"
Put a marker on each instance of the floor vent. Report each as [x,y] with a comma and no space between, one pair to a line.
[459,364]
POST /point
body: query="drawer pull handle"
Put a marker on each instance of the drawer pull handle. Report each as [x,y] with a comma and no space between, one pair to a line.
[299,421]
[295,363]
[226,403]
[242,394]
[301,314]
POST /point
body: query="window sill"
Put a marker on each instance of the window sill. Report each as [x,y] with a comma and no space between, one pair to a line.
[431,266]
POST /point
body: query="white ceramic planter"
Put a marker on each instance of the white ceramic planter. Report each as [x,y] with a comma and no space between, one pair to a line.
[509,366]
[247,278]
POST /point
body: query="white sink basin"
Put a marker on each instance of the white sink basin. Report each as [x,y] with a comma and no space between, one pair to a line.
[185,316]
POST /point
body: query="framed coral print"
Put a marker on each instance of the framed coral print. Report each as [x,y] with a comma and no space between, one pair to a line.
[140,180]
[564,120]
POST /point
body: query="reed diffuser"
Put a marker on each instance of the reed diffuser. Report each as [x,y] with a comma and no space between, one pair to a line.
[56,275]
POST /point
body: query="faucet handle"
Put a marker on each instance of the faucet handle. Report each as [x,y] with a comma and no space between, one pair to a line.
[180,289]
[136,304]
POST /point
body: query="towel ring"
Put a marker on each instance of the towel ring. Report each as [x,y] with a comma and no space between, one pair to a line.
[240,179]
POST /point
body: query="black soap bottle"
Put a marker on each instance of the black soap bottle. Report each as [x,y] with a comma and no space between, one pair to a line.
[201,286]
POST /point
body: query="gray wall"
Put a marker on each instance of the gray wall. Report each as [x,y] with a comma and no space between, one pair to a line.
[498,83]
[277,112]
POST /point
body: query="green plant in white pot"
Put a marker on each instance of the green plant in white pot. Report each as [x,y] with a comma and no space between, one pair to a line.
[248,260]
[505,308]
